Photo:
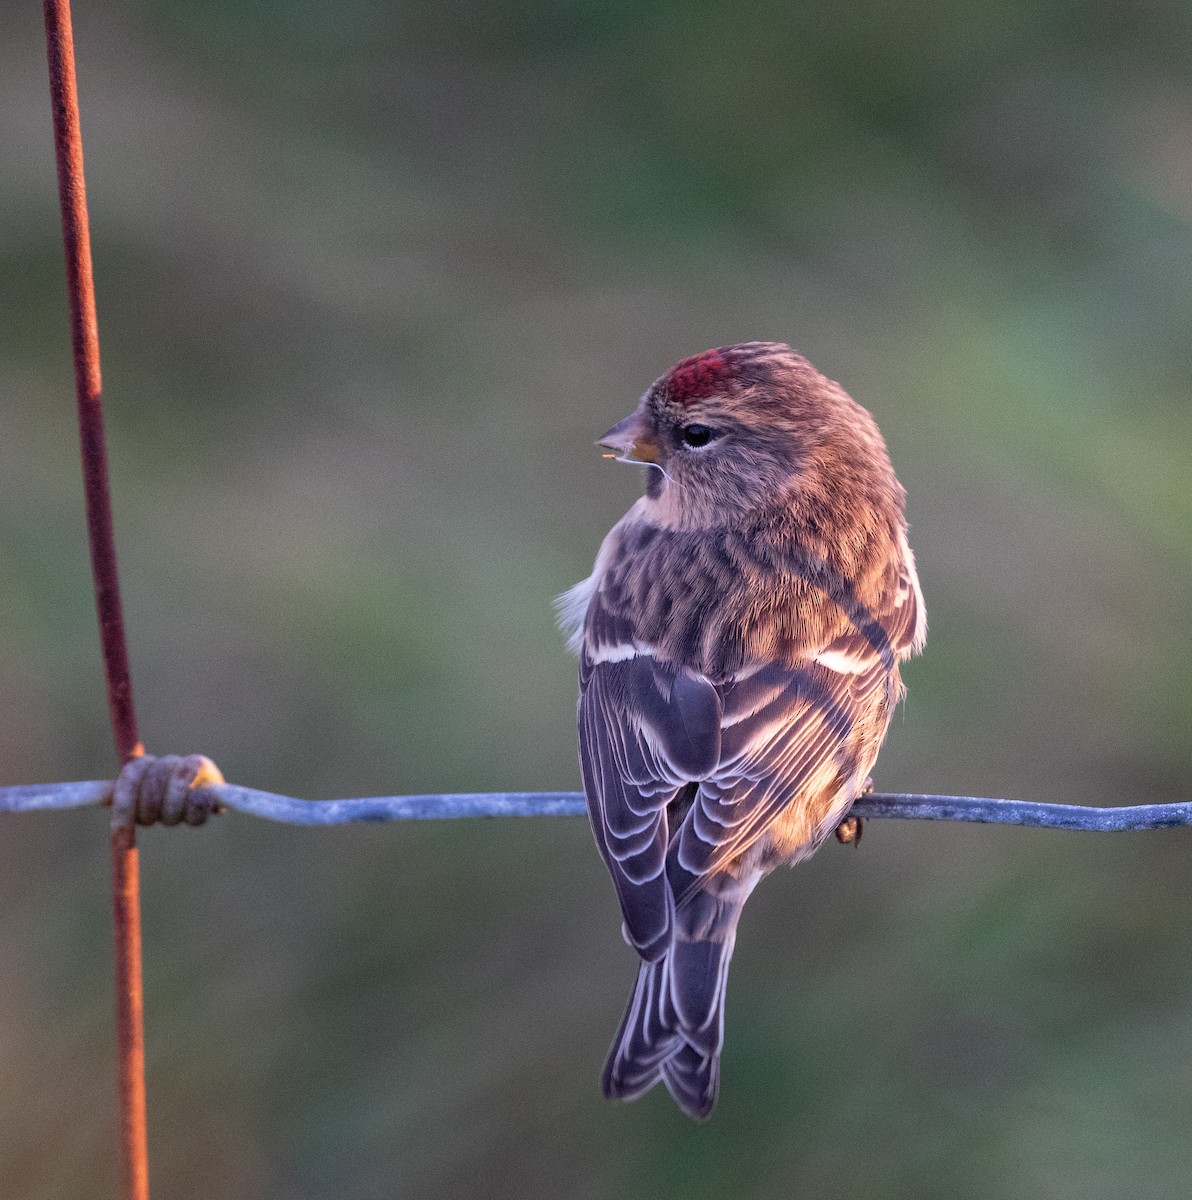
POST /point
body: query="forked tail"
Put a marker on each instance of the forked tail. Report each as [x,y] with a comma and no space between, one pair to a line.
[673,1027]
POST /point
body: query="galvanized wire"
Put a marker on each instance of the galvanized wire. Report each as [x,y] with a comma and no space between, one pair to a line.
[453,805]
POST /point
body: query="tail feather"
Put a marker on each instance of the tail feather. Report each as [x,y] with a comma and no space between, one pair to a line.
[673,1028]
[698,974]
[642,1043]
[693,1080]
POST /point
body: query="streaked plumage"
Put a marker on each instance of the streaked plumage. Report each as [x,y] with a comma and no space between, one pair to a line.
[739,642]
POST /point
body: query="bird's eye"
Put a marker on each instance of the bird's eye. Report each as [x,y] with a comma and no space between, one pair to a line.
[696,435]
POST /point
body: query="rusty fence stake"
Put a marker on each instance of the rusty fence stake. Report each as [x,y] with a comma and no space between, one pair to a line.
[84,332]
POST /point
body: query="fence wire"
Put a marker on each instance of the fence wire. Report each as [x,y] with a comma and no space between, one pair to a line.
[456,805]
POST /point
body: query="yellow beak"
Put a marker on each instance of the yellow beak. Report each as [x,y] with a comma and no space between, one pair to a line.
[633,439]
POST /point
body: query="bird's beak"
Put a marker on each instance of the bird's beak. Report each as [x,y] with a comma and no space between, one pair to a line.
[633,439]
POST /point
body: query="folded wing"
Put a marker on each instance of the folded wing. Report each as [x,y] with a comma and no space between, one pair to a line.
[646,730]
[778,741]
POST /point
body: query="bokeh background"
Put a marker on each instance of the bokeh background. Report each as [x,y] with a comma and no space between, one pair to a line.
[371,278]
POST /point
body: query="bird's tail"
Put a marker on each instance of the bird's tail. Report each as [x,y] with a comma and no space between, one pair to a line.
[673,1027]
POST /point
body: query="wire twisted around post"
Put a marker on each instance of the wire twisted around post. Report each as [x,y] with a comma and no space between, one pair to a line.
[170,790]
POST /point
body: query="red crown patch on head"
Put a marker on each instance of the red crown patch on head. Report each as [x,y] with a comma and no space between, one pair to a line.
[724,368]
[698,376]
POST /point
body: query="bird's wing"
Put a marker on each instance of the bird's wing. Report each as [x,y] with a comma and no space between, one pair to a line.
[906,624]
[646,729]
[791,739]
[779,739]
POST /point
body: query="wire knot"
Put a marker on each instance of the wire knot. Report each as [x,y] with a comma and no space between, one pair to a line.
[172,789]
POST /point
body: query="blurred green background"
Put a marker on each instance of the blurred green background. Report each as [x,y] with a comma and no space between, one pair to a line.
[371,278]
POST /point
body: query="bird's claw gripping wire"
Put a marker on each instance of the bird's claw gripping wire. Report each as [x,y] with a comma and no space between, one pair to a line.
[851,828]
[170,789]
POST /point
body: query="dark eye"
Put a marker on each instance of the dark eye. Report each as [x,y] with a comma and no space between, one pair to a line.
[696,435]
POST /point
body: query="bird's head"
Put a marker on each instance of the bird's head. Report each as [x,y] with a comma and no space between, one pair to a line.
[741,427]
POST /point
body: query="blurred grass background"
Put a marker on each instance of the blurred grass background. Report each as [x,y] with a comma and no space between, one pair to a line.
[370,279]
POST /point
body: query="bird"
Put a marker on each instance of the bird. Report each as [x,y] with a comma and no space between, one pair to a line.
[739,639]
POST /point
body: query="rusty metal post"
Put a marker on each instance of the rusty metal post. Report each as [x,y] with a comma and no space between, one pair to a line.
[126,909]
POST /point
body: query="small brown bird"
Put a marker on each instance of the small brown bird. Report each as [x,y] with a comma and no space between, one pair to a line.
[739,641]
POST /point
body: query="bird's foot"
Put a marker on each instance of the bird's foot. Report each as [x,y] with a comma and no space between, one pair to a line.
[851,828]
